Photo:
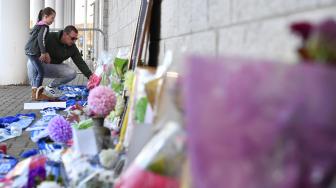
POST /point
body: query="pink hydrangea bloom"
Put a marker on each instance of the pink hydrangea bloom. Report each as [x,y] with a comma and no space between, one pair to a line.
[101,100]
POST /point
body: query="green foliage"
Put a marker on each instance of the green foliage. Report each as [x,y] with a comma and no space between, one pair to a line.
[120,66]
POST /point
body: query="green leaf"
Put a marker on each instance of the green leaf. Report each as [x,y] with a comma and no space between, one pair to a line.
[140,110]
[120,66]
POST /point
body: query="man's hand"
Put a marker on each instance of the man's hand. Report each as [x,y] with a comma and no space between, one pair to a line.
[94,81]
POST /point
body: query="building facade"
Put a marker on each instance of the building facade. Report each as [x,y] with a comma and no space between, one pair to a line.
[252,28]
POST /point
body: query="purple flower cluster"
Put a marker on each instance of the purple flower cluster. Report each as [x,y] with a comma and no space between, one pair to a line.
[102,101]
[36,176]
[59,129]
[37,171]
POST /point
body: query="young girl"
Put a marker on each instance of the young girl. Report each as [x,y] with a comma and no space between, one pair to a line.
[36,51]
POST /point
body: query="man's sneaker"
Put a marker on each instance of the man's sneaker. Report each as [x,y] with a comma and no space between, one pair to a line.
[53,92]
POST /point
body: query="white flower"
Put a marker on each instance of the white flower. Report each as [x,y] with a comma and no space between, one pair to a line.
[108,157]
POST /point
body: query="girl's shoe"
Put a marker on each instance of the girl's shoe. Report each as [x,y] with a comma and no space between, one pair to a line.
[34,94]
[42,97]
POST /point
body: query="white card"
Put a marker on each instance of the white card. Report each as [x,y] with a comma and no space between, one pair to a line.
[42,105]
[84,141]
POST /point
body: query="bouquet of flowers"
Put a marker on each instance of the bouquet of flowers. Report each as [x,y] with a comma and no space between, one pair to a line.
[318,41]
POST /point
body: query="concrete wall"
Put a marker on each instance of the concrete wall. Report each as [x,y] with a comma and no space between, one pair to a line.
[122,16]
[253,28]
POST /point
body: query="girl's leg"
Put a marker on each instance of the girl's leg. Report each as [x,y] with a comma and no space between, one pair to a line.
[36,74]
[35,71]
[32,72]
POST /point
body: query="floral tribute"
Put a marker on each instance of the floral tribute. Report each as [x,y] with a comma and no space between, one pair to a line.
[318,41]
[101,101]
[59,129]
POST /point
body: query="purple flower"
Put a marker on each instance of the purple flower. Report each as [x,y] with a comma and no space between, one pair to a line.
[101,100]
[36,176]
[59,129]
[327,29]
[303,29]
[262,125]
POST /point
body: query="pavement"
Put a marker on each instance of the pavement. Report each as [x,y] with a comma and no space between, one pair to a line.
[12,99]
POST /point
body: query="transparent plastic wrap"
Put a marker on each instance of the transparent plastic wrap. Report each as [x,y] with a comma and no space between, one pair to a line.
[102,71]
[32,171]
[112,120]
[85,172]
[77,167]
[117,76]
[159,163]
[107,61]
[168,100]
[118,79]
[260,124]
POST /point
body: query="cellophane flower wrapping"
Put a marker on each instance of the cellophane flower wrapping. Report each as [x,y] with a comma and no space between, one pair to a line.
[94,81]
[102,71]
[260,124]
[31,172]
[117,75]
[159,164]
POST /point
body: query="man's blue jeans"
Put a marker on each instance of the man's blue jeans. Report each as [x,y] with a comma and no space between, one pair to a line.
[62,73]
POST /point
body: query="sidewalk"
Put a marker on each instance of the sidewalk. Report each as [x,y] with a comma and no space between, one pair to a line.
[12,99]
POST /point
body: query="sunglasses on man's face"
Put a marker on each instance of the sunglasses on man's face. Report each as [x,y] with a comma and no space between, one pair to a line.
[74,38]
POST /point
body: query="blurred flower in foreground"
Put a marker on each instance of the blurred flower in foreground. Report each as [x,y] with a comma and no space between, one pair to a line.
[260,124]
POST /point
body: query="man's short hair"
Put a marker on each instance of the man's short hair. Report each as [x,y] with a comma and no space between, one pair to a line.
[70,28]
